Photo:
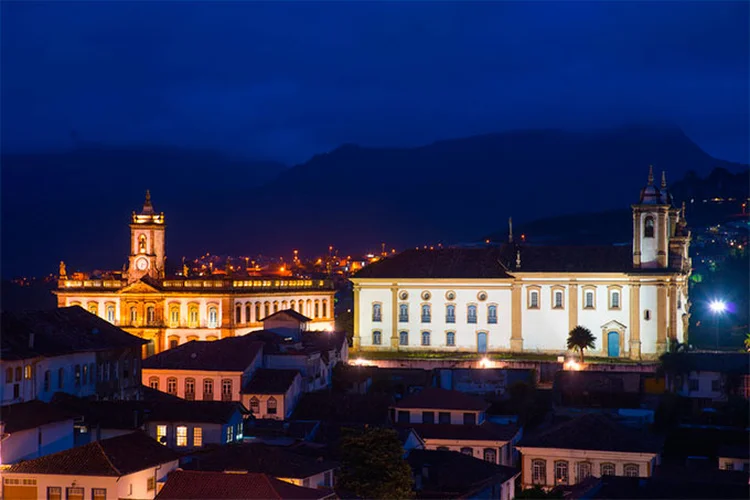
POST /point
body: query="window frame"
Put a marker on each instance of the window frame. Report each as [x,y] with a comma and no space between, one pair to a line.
[403,312]
[450,338]
[539,471]
[425,312]
[606,466]
[629,467]
[272,406]
[533,291]
[492,318]
[172,381]
[579,466]
[377,337]
[181,435]
[377,312]
[197,437]
[562,466]
[472,319]
[450,313]
[585,290]
[403,337]
[425,335]
[613,290]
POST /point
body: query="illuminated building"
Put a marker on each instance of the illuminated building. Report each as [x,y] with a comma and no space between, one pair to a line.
[519,297]
[168,311]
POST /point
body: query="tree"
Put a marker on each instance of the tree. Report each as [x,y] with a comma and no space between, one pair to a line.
[747,342]
[345,323]
[581,338]
[373,465]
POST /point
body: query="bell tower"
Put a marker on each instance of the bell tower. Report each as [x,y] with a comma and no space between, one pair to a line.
[654,224]
[146,243]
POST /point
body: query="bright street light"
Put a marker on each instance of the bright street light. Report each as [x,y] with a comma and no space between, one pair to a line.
[717,306]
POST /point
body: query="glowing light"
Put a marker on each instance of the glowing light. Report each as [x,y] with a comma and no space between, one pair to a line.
[361,362]
[573,366]
[717,306]
[485,363]
[487,240]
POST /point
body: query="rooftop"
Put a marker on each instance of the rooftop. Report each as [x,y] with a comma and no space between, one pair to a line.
[291,313]
[270,381]
[486,431]
[432,398]
[22,416]
[202,284]
[229,354]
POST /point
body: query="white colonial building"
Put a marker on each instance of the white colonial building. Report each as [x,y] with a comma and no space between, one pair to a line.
[518,297]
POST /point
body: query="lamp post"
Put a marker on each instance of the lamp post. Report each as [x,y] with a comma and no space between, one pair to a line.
[718,307]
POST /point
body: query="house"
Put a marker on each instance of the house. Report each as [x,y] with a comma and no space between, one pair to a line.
[287,323]
[198,485]
[706,377]
[447,474]
[590,445]
[308,470]
[453,420]
[124,467]
[734,457]
[34,429]
[280,432]
[485,381]
[205,370]
[67,350]
[272,393]
[410,440]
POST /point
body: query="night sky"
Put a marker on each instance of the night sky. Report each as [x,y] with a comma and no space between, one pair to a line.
[286,80]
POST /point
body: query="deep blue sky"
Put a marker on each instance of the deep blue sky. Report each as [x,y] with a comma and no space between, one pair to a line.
[286,80]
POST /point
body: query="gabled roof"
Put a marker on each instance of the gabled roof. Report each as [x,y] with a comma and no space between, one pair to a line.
[22,416]
[486,431]
[229,354]
[289,312]
[270,381]
[55,332]
[433,398]
[594,432]
[194,485]
[114,457]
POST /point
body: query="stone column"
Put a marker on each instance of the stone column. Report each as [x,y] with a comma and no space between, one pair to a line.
[516,334]
[661,318]
[394,317]
[635,320]
[672,327]
[355,338]
[636,239]
[661,229]
[572,305]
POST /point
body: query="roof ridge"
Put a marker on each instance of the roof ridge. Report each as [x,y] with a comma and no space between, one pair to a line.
[267,478]
[106,456]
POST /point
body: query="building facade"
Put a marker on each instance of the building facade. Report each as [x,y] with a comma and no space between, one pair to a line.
[170,310]
[518,297]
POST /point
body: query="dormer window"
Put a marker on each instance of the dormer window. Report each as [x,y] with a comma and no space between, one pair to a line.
[648,227]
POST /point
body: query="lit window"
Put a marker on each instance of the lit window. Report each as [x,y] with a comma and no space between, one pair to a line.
[450,313]
[208,389]
[376,312]
[54,493]
[213,317]
[377,337]
[161,434]
[539,471]
[174,317]
[403,338]
[403,313]
[94,308]
[190,389]
[255,405]
[450,339]
[27,372]
[471,314]
[271,406]
[425,338]
[153,382]
[181,435]
[561,472]
[172,386]
[111,314]
[492,314]
[151,483]
[193,316]
[197,437]
[490,455]
[150,315]
[631,470]
[534,300]
[98,494]
[426,313]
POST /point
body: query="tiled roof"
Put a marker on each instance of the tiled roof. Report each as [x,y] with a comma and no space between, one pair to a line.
[433,398]
[59,331]
[734,451]
[486,431]
[114,457]
[270,381]
[450,474]
[229,354]
[22,416]
[581,259]
[254,457]
[289,312]
[194,485]
[594,432]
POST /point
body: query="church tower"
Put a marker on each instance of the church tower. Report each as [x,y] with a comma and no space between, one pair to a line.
[146,243]
[655,222]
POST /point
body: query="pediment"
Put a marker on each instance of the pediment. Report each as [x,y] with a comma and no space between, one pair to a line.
[614,325]
[138,287]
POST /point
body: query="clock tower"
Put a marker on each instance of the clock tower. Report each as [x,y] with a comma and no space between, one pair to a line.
[146,243]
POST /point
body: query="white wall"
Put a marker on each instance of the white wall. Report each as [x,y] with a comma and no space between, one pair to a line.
[648,327]
[33,388]
[24,445]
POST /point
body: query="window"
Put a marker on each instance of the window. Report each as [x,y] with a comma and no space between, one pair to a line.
[94,308]
[276,307]
[403,313]
[376,312]
[539,471]
[181,434]
[403,338]
[27,372]
[255,405]
[327,479]
[238,314]
[325,308]
[174,317]
[467,451]
[583,470]
[425,338]
[561,472]
[85,374]
[257,311]
[377,338]
[647,315]
[729,466]
[60,378]
[271,406]
[92,369]
[230,434]
[444,417]
[172,386]
[98,494]
[693,384]
[490,455]
[173,343]
[77,376]
[151,483]
[403,417]
[450,313]
[193,316]
[450,339]
[125,369]
[54,493]
[470,418]
[607,469]
[588,302]
[213,317]
[133,315]
[153,382]
[197,437]
[426,295]
[649,227]
[74,493]
[716,385]
[208,389]
[248,310]
[471,314]
[492,314]
[161,434]
[614,300]
[631,470]
[19,373]
[267,309]
[190,389]
[9,375]
[426,313]
[226,389]
[47,377]
[534,299]
[150,315]
[428,417]
[111,314]
[557,299]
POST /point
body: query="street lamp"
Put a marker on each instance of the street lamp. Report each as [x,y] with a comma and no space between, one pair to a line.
[717,307]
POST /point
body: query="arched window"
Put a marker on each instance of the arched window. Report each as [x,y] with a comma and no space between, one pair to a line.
[150,315]
[631,470]
[490,455]
[539,471]
[588,302]
[208,389]
[450,313]
[9,375]
[426,313]
[583,470]
[226,389]
[172,386]
[238,314]
[607,469]
[193,316]
[425,338]
[377,337]
[173,342]
[174,316]
[561,472]
[142,243]
[534,299]
[467,451]
[255,405]
[267,309]
[450,339]
[301,307]
[403,338]
[614,300]
[275,306]
[111,314]
[190,389]
[284,305]
[471,314]
[153,382]
[257,312]
[648,227]
[558,300]
[403,313]
[248,311]
[377,311]
[271,406]
[94,308]
[492,314]
[213,317]
[325,309]
[133,315]
[293,305]
[317,309]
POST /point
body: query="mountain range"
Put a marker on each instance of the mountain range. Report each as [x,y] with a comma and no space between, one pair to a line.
[74,206]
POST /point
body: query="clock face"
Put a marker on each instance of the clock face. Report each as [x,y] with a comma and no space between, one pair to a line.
[141,264]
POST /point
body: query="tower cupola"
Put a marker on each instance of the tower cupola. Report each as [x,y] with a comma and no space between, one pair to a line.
[650,195]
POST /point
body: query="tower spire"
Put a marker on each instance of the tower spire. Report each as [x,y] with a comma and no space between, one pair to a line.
[650,175]
[663,179]
[510,229]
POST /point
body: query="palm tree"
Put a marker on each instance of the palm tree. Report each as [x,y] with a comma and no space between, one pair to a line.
[581,338]
[747,342]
